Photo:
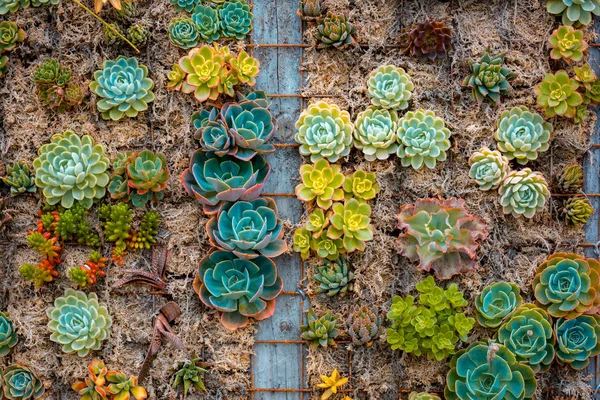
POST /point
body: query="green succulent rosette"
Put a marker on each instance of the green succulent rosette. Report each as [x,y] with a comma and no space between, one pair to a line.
[522,134]
[375,133]
[496,302]
[567,43]
[20,383]
[523,193]
[322,183]
[351,222]
[361,185]
[390,87]
[235,19]
[578,210]
[488,168]
[577,340]
[185,5]
[19,179]
[8,334]
[335,31]
[10,36]
[489,78]
[364,326]
[320,331]
[557,94]
[184,33]
[208,24]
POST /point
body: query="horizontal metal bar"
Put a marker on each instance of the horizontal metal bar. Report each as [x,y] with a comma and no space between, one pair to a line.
[293,341]
[305,46]
[280,145]
[302,96]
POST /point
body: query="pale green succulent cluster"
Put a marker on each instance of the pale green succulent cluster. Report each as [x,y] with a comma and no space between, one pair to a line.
[375,133]
[523,192]
[390,87]
[488,168]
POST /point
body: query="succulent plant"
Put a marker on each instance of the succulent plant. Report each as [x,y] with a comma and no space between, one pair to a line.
[522,134]
[117,227]
[51,72]
[202,67]
[320,331]
[93,387]
[10,36]
[122,388]
[238,288]
[214,180]
[488,168]
[567,43]
[8,334]
[138,34]
[206,23]
[139,177]
[40,274]
[87,274]
[176,78]
[568,285]
[351,222]
[128,11]
[113,34]
[574,12]
[320,181]
[235,19]
[422,396]
[361,185]
[489,370]
[4,65]
[19,179]
[441,234]
[390,87]
[145,236]
[20,383]
[189,374]
[71,169]
[570,179]
[585,75]
[364,326]
[38,3]
[248,228]
[328,248]
[331,384]
[557,94]
[523,193]
[11,6]
[333,277]
[310,10]
[78,322]
[489,78]
[375,133]
[423,139]
[429,40]
[246,69]
[529,336]
[258,96]
[431,327]
[578,210]
[302,242]
[335,31]
[71,225]
[496,302]
[185,5]
[591,95]
[578,340]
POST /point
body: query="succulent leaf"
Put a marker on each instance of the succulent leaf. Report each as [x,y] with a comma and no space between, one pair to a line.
[489,78]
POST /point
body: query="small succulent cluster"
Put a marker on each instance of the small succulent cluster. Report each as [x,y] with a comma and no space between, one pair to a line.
[8,334]
[428,41]
[441,234]
[576,209]
[56,86]
[335,31]
[320,331]
[10,34]
[433,326]
[558,94]
[311,10]
[489,78]
[333,278]
[567,43]
[210,71]
[422,396]
[104,384]
[126,25]
[331,384]
[87,274]
[19,179]
[364,326]
[577,13]
[18,382]
[188,374]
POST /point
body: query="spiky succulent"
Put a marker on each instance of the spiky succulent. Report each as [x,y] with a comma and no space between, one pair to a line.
[189,375]
[320,331]
[568,285]
[123,87]
[569,179]
[390,87]
[375,133]
[79,322]
[20,383]
[238,288]
[138,34]
[10,36]
[331,384]
[429,40]
[139,177]
[19,179]
[310,10]
[567,43]
[364,326]
[335,31]
[324,131]
[578,340]
[496,302]
[333,278]
[578,210]
[490,370]
[71,169]
[523,193]
[113,34]
[93,387]
[214,180]
[235,19]
[8,334]
[351,222]
[488,168]
[557,94]
[248,228]
[441,234]
[361,185]
[522,134]
[489,78]
[321,182]
[529,336]
[423,139]
[578,12]
[122,388]
[184,32]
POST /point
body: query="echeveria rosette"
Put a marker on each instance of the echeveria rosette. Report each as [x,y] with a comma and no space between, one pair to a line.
[375,133]
[19,179]
[569,179]
[422,396]
[324,131]
[310,10]
[529,336]
[351,222]
[567,43]
[364,326]
[246,68]
[123,87]
[71,169]
[202,67]
[577,340]
[8,334]
[496,302]
[317,222]
[361,185]
[176,78]
[488,168]
[489,78]
[79,322]
[390,87]
[20,383]
[248,229]
[184,33]
[238,288]
[578,210]
[429,40]
[10,36]
[302,242]
[574,12]
[320,331]
[557,95]
[522,134]
[214,179]
[488,371]
[235,19]
[208,24]
[320,181]
[333,278]
[441,234]
[257,96]
[147,175]
[523,193]
[335,31]
[185,5]
[11,6]
[423,139]
[568,285]
[328,248]
[122,388]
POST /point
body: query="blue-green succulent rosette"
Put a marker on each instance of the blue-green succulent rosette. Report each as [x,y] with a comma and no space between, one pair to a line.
[238,288]
[578,340]
[184,33]
[185,5]
[496,302]
[235,19]
[207,22]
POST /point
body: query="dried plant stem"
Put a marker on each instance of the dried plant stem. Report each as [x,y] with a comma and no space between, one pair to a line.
[109,26]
